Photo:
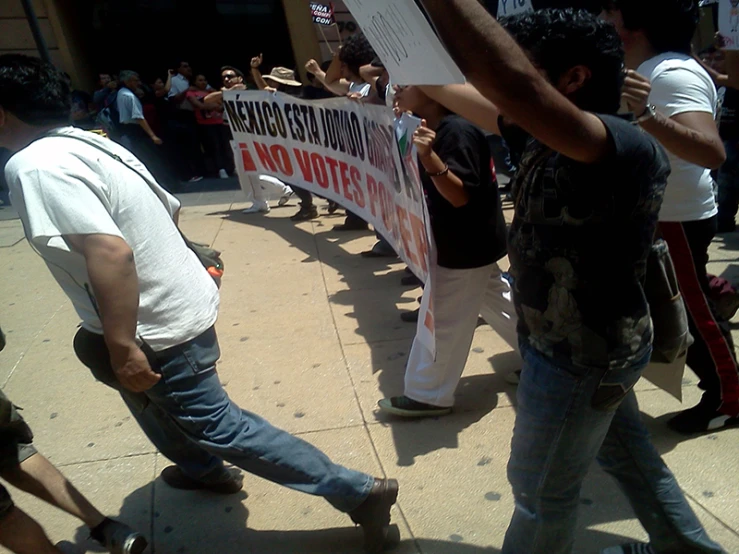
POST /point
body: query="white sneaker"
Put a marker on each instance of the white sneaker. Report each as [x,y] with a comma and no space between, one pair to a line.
[222,174]
[514,377]
[257,208]
[285,198]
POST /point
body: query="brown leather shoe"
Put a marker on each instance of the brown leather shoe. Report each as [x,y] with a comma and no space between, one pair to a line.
[177,479]
[374,514]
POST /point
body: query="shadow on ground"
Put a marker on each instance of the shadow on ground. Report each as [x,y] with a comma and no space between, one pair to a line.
[477,395]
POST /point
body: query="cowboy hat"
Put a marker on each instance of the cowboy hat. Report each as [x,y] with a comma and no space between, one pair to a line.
[283,76]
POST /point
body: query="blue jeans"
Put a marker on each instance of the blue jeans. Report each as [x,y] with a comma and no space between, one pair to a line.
[567,417]
[192,421]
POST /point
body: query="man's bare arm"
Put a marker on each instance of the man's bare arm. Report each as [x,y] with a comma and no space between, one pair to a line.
[509,80]
[338,87]
[148,130]
[258,79]
[115,286]
[691,136]
[214,100]
[466,101]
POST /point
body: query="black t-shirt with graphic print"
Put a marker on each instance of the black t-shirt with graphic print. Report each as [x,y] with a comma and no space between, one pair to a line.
[578,247]
[473,235]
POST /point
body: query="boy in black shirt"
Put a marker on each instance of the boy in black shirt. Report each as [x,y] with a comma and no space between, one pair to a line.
[469,232]
[587,196]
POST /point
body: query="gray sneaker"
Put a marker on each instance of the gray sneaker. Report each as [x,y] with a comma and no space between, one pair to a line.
[634,548]
[66,547]
[119,538]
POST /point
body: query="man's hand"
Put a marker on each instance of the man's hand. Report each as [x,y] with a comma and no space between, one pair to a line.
[312,67]
[156,140]
[256,61]
[132,369]
[636,92]
[424,139]
[355,97]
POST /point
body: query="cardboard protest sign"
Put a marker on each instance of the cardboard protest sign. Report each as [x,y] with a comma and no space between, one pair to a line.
[405,42]
[513,7]
[322,14]
[728,23]
[354,154]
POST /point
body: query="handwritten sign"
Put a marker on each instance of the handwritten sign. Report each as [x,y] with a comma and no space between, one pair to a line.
[358,155]
[728,23]
[323,15]
[405,42]
[513,7]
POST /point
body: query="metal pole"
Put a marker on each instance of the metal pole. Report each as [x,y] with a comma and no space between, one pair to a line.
[43,50]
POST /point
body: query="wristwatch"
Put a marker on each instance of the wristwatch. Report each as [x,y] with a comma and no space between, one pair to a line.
[648,114]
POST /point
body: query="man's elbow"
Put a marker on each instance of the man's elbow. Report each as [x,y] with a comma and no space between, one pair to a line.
[110,250]
[716,158]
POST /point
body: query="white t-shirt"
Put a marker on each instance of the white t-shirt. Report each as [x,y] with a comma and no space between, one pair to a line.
[62,186]
[129,107]
[179,85]
[363,89]
[681,85]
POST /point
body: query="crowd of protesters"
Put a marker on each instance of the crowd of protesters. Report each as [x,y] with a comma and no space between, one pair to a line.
[612,123]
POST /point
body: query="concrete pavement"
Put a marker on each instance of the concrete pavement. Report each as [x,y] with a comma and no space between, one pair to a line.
[311,339]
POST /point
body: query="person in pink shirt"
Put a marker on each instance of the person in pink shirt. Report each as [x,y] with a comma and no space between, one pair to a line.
[213,134]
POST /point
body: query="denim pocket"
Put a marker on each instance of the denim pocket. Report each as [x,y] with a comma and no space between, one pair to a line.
[614,386]
[202,353]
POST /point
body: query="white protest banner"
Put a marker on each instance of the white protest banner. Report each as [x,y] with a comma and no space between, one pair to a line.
[323,15]
[405,42]
[728,23]
[513,7]
[354,154]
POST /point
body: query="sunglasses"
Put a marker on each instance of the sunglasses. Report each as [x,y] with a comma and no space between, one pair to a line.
[228,76]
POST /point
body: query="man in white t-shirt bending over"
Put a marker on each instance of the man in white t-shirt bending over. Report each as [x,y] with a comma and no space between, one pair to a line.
[679,110]
[108,234]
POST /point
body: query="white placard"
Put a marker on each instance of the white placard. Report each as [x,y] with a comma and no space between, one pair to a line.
[405,42]
[728,23]
[513,7]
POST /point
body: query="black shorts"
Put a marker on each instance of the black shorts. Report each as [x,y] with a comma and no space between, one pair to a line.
[16,438]
[16,445]
[6,503]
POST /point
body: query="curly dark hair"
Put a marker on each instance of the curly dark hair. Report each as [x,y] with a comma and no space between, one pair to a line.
[356,52]
[34,91]
[669,25]
[558,40]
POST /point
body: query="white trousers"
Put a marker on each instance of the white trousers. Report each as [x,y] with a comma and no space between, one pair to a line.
[459,296]
[263,188]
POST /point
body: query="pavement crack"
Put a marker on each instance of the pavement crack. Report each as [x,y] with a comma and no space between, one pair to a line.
[31,344]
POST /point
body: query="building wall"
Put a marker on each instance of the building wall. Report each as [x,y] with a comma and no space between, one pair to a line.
[310,40]
[58,32]
[15,33]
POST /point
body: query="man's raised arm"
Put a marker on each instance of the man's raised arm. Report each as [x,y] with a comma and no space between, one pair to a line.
[500,70]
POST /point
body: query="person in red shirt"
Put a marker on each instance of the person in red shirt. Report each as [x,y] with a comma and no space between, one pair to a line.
[213,134]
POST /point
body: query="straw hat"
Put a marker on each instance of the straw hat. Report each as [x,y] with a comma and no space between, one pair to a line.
[283,76]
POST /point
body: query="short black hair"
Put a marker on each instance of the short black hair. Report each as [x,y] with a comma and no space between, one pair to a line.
[558,40]
[34,91]
[356,52]
[238,72]
[669,25]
